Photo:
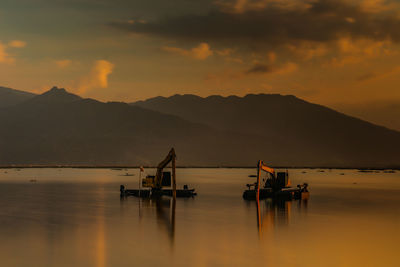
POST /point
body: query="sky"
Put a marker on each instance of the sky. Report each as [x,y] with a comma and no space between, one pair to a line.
[332,52]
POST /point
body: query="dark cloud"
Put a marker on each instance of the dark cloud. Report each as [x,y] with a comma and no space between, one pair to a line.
[366,76]
[323,21]
[260,68]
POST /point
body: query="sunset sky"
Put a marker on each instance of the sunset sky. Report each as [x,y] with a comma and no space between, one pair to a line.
[324,51]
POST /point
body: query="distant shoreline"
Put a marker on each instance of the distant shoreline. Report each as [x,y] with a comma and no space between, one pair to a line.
[186,167]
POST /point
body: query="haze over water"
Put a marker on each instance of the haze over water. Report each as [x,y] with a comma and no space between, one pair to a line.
[75,217]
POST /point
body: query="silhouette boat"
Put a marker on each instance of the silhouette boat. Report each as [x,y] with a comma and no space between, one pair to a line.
[276,186]
[158,182]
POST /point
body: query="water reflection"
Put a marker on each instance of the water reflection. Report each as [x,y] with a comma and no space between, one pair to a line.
[100,236]
[277,212]
[75,218]
[165,212]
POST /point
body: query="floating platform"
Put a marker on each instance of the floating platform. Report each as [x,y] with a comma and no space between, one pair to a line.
[157,193]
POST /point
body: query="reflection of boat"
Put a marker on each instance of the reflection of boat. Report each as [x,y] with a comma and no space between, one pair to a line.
[127,174]
[364,170]
[272,212]
[165,212]
[389,171]
[276,186]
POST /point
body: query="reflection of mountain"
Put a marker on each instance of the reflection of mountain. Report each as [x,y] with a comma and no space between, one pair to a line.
[59,128]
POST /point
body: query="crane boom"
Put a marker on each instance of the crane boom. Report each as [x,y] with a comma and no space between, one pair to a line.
[158,179]
[262,166]
[267,169]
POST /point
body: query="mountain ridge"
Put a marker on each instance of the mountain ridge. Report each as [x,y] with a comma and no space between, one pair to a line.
[90,132]
[302,128]
[10,97]
[61,128]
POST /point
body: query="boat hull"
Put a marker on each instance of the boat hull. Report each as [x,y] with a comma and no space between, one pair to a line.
[184,193]
[286,194]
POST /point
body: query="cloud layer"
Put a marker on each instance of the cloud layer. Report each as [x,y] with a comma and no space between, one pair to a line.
[5,56]
[277,24]
[200,52]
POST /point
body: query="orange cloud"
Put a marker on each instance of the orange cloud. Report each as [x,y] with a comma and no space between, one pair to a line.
[271,57]
[201,52]
[355,51]
[17,44]
[97,78]
[63,63]
[378,6]
[225,52]
[287,68]
[309,50]
[5,57]
[241,6]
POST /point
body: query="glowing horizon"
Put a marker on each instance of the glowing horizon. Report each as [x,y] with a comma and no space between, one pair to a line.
[336,53]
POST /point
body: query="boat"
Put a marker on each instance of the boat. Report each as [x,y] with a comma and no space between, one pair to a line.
[155,185]
[277,186]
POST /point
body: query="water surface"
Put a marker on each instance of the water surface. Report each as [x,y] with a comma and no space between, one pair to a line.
[75,217]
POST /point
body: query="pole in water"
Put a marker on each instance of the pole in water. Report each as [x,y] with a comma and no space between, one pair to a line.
[259,222]
[140,178]
[258,181]
[174,176]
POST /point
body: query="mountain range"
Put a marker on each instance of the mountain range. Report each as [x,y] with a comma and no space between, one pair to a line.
[10,97]
[60,128]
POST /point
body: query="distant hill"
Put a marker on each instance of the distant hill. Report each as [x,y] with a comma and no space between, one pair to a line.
[61,128]
[386,113]
[10,97]
[289,131]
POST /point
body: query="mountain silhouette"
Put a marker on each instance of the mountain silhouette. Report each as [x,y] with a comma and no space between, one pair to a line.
[10,97]
[290,131]
[57,127]
[60,128]
[386,113]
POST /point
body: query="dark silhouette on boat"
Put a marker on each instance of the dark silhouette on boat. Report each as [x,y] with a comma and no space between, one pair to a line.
[157,182]
[276,186]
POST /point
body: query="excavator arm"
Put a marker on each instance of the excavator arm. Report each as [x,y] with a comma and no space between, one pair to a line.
[266,168]
[262,167]
[171,157]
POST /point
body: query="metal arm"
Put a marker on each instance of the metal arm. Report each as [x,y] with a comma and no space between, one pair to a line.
[267,169]
[261,166]
[158,179]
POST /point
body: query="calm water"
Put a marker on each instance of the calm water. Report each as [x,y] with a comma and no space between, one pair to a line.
[75,217]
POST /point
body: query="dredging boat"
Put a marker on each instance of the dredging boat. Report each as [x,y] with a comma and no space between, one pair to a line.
[276,186]
[154,185]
